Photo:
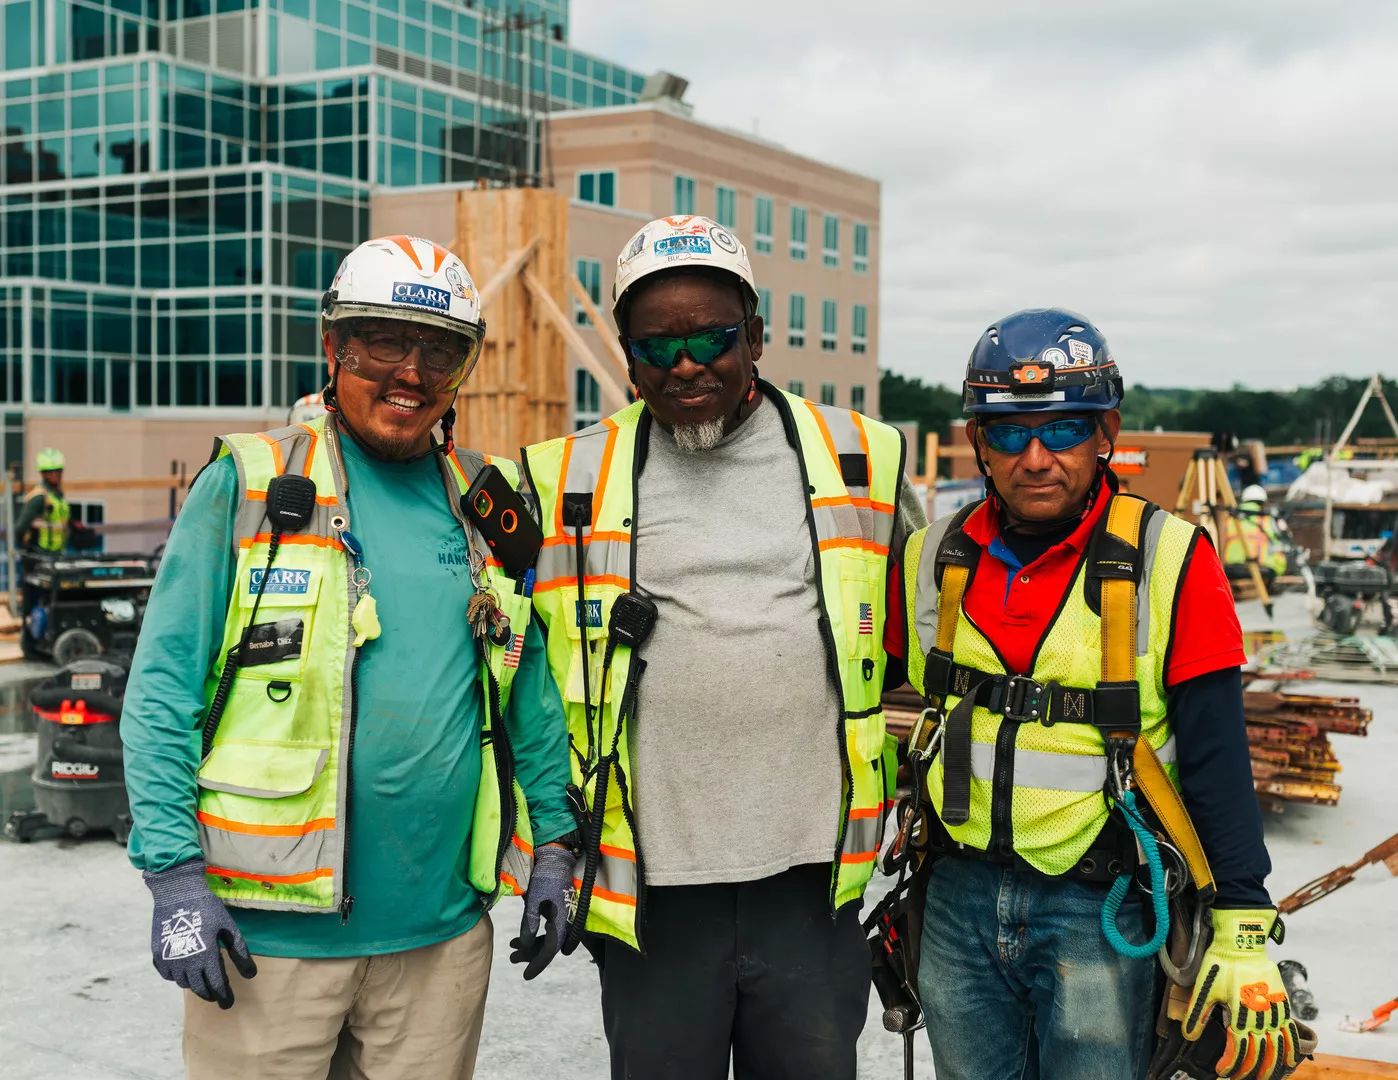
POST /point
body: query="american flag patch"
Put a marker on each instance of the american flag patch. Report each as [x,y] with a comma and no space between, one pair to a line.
[512,654]
[866,618]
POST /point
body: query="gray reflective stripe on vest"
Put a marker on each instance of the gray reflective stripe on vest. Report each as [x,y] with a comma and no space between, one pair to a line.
[862,835]
[838,523]
[289,855]
[600,557]
[1150,544]
[926,595]
[615,875]
[517,865]
[1053,771]
[585,454]
[864,522]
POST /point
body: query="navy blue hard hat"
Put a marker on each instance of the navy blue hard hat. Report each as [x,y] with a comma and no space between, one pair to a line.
[1041,360]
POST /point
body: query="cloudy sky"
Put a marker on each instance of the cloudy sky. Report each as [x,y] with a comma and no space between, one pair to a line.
[1213,182]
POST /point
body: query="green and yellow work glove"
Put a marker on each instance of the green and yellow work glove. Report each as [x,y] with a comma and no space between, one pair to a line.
[1238,977]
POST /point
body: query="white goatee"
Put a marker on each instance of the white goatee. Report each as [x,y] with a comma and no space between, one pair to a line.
[699,438]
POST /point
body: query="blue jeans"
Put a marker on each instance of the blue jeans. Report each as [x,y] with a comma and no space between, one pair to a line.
[1018,981]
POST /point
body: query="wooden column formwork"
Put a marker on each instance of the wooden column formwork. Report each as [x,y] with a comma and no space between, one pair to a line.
[519,391]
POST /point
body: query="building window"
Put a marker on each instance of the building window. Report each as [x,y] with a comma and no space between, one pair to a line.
[597,187]
[764,310]
[827,393]
[797,387]
[590,276]
[587,400]
[859,330]
[762,225]
[684,194]
[798,233]
[830,241]
[827,325]
[796,323]
[861,249]
[726,207]
[856,398]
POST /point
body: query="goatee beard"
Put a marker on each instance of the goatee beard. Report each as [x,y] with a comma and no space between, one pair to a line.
[699,438]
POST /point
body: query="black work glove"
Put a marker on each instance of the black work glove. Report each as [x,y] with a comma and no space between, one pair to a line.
[189,926]
[546,902]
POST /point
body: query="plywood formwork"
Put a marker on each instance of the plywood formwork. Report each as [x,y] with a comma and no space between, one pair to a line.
[519,391]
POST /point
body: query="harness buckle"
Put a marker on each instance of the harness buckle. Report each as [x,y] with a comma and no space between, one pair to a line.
[1025,699]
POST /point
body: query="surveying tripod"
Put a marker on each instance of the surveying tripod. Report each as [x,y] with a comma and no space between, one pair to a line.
[1206,493]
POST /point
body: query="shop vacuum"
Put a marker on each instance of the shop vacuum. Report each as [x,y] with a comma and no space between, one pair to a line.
[79,782]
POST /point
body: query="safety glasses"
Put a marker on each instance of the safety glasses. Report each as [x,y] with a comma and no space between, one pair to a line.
[1057,436]
[704,347]
[376,350]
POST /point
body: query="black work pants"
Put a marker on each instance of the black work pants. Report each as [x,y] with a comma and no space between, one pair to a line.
[757,971]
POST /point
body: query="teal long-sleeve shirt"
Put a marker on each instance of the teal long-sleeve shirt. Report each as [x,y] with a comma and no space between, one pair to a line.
[417,756]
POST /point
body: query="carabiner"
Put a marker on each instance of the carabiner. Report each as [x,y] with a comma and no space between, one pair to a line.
[916,753]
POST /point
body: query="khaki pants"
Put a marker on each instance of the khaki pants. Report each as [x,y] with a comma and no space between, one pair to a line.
[412,1015]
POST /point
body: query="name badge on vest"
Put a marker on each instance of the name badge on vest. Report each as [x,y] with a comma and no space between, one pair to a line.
[267,643]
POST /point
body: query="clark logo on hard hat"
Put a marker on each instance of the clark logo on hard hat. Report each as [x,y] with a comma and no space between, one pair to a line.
[686,240]
[423,296]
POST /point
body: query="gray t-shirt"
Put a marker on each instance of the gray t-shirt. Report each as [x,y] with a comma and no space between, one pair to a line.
[735,763]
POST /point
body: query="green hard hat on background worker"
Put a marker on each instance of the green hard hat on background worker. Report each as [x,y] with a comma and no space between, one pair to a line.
[49,461]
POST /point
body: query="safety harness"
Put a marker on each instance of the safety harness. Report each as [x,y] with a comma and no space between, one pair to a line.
[1113,574]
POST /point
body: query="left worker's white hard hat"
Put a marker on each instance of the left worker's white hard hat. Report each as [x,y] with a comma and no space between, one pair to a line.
[407,278]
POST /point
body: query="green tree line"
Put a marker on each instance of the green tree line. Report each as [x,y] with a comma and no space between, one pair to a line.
[1310,415]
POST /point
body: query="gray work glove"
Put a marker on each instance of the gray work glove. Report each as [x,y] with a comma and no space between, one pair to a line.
[189,926]
[545,901]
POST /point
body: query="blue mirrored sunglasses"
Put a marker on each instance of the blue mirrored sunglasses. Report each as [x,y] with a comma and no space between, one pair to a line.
[1059,435]
[704,347]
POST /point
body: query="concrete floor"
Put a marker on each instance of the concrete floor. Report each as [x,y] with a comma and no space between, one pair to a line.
[80,1001]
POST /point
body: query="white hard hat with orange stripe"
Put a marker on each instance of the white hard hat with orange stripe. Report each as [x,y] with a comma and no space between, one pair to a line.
[407,278]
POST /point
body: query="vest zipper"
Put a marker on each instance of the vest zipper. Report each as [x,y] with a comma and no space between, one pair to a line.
[347,902]
[341,480]
[504,772]
[832,664]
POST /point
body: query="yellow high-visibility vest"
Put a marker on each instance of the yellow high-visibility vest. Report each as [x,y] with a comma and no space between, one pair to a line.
[585,483]
[273,788]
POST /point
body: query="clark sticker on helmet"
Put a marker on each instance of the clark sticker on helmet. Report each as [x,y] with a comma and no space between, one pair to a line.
[683,245]
[280,580]
[422,296]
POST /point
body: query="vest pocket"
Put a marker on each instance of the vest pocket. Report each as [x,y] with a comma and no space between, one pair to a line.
[598,608]
[274,706]
[862,597]
[262,770]
[267,821]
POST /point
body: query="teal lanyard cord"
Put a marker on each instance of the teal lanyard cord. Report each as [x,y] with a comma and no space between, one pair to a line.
[1111,909]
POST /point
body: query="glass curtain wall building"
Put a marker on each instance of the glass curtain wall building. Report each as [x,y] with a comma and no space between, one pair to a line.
[180,178]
